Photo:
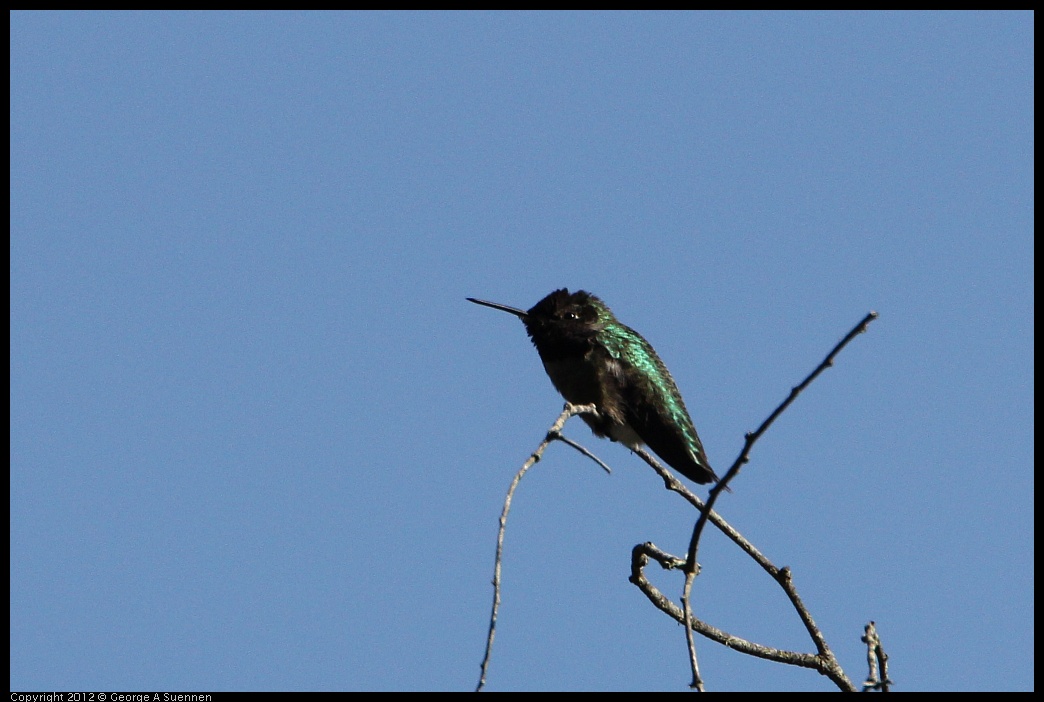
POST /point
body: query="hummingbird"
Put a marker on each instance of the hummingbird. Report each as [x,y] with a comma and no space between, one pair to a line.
[592,358]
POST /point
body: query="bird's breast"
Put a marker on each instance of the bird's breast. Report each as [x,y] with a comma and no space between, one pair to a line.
[576,379]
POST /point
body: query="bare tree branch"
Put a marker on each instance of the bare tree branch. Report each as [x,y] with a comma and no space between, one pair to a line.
[640,556]
[583,450]
[694,542]
[876,659]
[554,433]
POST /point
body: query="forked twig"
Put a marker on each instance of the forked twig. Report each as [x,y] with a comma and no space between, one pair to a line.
[876,660]
[690,565]
[553,434]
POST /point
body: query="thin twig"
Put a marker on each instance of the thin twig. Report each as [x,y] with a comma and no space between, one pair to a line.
[584,451]
[690,565]
[826,666]
[674,485]
[554,433]
[876,659]
[640,556]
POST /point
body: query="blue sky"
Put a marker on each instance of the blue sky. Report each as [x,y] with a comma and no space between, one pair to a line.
[259,439]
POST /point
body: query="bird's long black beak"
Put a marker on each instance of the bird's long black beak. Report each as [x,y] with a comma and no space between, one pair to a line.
[521,314]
